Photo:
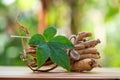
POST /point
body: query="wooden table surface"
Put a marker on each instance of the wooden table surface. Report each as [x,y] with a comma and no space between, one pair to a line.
[24,73]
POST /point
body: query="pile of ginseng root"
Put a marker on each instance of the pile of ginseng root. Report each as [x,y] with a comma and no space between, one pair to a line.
[83,57]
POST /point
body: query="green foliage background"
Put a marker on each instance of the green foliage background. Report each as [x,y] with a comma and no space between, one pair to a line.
[101,17]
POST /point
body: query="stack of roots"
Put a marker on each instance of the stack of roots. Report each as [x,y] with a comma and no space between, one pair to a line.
[83,57]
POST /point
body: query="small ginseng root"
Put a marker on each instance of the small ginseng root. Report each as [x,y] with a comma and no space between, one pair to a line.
[84,57]
[84,65]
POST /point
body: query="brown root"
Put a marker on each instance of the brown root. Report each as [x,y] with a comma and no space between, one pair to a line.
[43,70]
[95,56]
[81,36]
[21,26]
[83,65]
[74,55]
[73,38]
[88,50]
[88,55]
[31,51]
[87,44]
[31,63]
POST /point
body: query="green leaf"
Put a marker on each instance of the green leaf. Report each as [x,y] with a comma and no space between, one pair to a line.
[62,42]
[43,53]
[59,57]
[52,47]
[49,33]
[36,39]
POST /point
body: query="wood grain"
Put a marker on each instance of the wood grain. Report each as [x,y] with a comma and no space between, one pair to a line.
[24,73]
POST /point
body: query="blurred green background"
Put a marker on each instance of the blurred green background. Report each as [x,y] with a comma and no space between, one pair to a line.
[101,17]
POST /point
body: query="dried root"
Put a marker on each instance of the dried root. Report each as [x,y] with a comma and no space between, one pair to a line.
[32,63]
[81,36]
[83,57]
[85,64]
[86,44]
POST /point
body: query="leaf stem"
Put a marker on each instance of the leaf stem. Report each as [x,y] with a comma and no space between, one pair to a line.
[14,36]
